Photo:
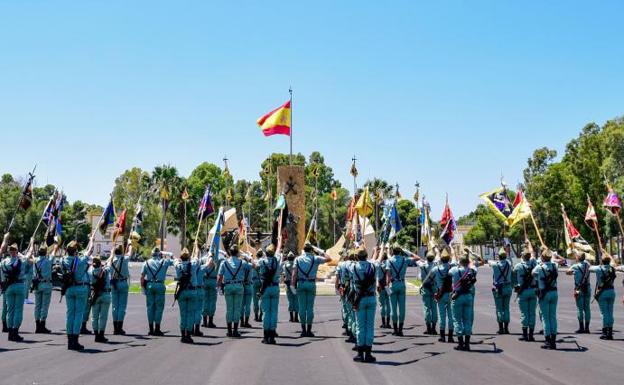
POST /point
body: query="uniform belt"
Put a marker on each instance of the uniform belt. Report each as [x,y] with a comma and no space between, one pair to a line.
[155,281]
[234,282]
[306,279]
[45,281]
[398,280]
[81,284]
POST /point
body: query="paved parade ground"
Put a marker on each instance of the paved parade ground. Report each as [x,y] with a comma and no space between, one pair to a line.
[413,359]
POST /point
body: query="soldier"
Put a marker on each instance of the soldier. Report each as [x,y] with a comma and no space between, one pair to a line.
[13,271]
[42,286]
[605,294]
[209,276]
[153,276]
[248,293]
[396,267]
[198,292]
[287,269]
[342,284]
[582,290]
[100,297]
[502,289]
[444,286]
[74,269]
[230,279]
[525,290]
[546,275]
[364,278]
[257,284]
[85,315]
[380,258]
[464,278]
[185,295]
[427,290]
[269,271]
[304,276]
[119,282]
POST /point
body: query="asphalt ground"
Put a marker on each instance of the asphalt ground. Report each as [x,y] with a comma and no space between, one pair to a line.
[414,359]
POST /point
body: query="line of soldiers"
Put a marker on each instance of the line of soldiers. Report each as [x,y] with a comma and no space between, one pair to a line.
[90,285]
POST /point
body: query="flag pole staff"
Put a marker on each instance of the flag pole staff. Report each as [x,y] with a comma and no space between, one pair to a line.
[595,226]
[31,176]
[97,226]
[44,211]
[539,235]
[291,126]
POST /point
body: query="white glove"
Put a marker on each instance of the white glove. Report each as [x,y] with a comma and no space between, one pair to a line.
[293,290]
[388,291]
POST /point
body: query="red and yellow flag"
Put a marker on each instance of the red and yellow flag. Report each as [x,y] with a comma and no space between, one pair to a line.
[276,122]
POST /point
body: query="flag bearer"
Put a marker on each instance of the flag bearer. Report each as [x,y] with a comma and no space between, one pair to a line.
[100,298]
[582,290]
[605,294]
[269,271]
[396,268]
[42,286]
[120,275]
[153,276]
[185,295]
[230,279]
[209,276]
[464,278]
[525,288]
[364,275]
[546,275]
[75,268]
[502,288]
[380,260]
[427,291]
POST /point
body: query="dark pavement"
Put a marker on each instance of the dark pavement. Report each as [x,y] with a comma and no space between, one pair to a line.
[413,359]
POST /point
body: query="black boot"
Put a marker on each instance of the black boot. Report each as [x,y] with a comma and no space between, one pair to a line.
[37,327]
[442,336]
[5,329]
[603,336]
[16,337]
[296,316]
[396,329]
[531,337]
[211,323]
[525,335]
[506,327]
[205,321]
[450,337]
[400,334]
[120,326]
[586,328]
[553,341]
[260,315]
[84,330]
[546,343]
[197,332]
[467,343]
[235,332]
[351,338]
[151,329]
[182,335]
[428,330]
[115,328]
[309,331]
[292,317]
[157,331]
[272,335]
[189,340]
[265,339]
[70,342]
[229,329]
[303,331]
[581,328]
[77,345]
[368,357]
[360,355]
[388,326]
[44,330]
[609,333]
[433,329]
[501,330]
[99,337]
[460,343]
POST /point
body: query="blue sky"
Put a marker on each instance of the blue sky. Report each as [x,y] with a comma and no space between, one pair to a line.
[448,93]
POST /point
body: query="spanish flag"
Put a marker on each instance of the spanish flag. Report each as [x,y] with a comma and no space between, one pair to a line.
[276,122]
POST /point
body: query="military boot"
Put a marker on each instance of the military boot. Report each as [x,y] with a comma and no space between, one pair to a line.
[265,338]
[205,321]
[5,329]
[442,336]
[77,345]
[272,335]
[546,343]
[303,331]
[400,332]
[433,329]
[296,316]
[360,355]
[44,330]
[586,328]
[229,329]
[525,335]
[581,328]
[309,331]
[235,332]
[84,330]
[396,329]
[151,329]
[368,356]
[211,323]
[531,337]
[157,331]
[197,331]
[467,343]
[460,343]
[450,338]
[501,329]
[603,336]
[506,327]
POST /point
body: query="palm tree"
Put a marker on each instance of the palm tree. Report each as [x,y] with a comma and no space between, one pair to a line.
[165,187]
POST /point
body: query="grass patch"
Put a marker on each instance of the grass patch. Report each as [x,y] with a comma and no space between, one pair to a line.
[135,288]
[416,282]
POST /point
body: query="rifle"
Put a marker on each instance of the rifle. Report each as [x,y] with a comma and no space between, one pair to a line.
[365,285]
[97,288]
[465,283]
[183,283]
[606,283]
[548,280]
[267,279]
[11,276]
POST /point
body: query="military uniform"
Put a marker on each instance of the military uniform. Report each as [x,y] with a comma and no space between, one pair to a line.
[582,294]
[396,267]
[363,274]
[232,272]
[525,286]
[13,272]
[462,303]
[248,293]
[306,266]
[100,300]
[76,296]
[605,295]
[293,305]
[185,274]
[255,281]
[269,271]
[443,287]
[427,291]
[344,284]
[502,288]
[209,276]
[198,298]
[120,276]
[154,273]
[42,286]
[382,296]
[546,275]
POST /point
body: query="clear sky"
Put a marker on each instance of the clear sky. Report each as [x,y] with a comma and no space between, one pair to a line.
[449,93]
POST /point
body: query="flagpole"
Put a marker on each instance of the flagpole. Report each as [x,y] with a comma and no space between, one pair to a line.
[44,211]
[291,126]
[31,176]
[537,228]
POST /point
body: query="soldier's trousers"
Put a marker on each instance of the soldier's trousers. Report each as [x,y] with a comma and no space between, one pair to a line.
[14,296]
[365,325]
[344,306]
[248,292]
[293,305]
[186,301]
[445,312]
[254,296]
[463,314]
[270,304]
[42,303]
[198,301]
[384,303]
[76,303]
[583,308]
[210,299]
[527,302]
[99,312]
[397,302]
[87,310]
[605,302]
[306,295]
[233,301]
[155,301]
[548,307]
[430,309]
[501,301]
[120,300]
[4,308]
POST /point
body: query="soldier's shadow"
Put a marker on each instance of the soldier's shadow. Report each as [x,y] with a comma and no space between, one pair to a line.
[292,345]
[197,343]
[409,362]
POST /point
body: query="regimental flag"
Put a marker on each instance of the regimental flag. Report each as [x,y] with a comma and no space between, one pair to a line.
[574,240]
[354,170]
[384,234]
[276,122]
[612,201]
[27,194]
[108,217]
[522,210]
[280,218]
[137,224]
[591,219]
[518,199]
[447,222]
[498,200]
[52,217]
[312,235]
[205,205]
[216,230]
[364,205]
[394,221]
[351,209]
[120,226]
[242,233]
[425,220]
